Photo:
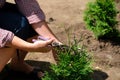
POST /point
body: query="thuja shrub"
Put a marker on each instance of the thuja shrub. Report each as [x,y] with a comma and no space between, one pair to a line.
[74,63]
[100,17]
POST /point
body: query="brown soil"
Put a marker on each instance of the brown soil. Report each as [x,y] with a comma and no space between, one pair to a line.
[68,15]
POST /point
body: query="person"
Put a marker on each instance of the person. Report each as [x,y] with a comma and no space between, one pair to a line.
[19,24]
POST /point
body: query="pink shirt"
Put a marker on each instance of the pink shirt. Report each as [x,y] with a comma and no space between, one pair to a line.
[32,11]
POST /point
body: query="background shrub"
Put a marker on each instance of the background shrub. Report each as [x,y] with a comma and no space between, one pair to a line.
[100,17]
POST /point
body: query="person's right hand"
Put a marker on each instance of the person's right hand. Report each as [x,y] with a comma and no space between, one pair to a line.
[37,46]
[42,46]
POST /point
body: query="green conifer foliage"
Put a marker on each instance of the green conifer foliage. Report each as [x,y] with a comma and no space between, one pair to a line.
[74,63]
[100,17]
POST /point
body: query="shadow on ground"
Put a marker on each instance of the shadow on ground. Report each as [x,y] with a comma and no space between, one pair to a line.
[113,40]
[9,75]
[97,75]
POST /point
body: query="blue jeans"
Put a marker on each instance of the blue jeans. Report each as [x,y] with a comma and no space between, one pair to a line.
[11,19]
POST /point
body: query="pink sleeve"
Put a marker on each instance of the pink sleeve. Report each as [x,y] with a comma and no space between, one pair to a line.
[31,9]
[5,37]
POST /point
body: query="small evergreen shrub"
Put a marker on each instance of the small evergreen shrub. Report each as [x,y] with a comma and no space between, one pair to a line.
[74,63]
[100,17]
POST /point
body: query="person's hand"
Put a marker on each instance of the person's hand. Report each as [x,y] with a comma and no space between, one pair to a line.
[37,46]
[42,46]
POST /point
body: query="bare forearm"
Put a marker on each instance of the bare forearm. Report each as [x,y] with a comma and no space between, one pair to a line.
[38,46]
[21,44]
[42,29]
